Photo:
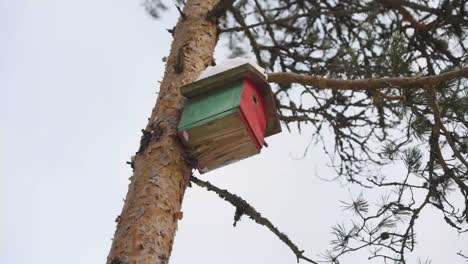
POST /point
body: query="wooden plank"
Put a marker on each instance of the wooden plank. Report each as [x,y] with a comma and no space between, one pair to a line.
[220,142]
[210,106]
[214,129]
[228,127]
[240,147]
[216,147]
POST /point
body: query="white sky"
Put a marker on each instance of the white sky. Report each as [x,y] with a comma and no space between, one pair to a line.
[77,81]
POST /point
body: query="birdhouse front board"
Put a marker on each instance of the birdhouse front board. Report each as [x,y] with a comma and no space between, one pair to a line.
[227,117]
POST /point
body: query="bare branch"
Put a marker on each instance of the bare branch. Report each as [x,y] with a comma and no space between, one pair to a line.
[462,255]
[244,208]
[365,84]
[219,9]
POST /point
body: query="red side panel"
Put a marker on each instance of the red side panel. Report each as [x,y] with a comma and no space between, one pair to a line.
[257,144]
[252,107]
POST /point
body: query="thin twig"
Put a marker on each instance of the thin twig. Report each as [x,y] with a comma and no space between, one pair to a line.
[244,208]
[182,14]
[462,255]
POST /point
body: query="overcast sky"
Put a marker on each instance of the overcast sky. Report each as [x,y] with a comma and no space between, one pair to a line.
[78,80]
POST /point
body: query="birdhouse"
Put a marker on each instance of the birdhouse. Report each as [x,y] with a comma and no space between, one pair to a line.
[227,116]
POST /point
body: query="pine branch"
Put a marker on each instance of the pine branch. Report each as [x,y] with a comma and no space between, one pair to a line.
[366,84]
[438,122]
[244,208]
[253,42]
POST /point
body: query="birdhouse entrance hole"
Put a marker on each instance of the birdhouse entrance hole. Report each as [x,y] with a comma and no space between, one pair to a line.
[254,99]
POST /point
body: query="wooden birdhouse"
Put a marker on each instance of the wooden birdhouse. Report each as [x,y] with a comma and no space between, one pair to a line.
[227,116]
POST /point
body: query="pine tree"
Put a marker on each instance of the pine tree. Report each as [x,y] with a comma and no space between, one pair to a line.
[388,77]
[147,225]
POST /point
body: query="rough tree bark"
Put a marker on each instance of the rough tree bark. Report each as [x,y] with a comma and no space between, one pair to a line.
[146,228]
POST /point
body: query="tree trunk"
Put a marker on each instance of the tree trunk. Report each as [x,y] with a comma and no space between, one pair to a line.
[146,228]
